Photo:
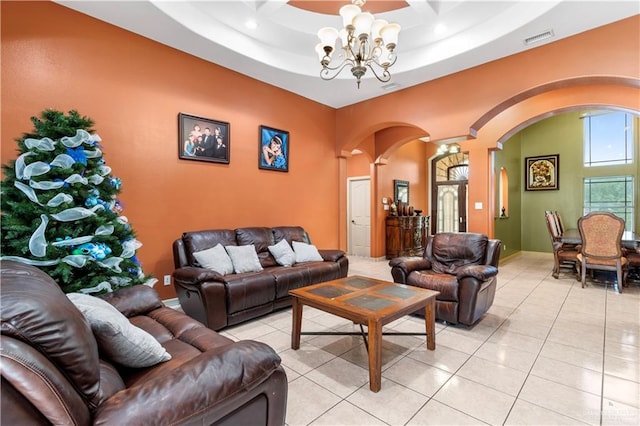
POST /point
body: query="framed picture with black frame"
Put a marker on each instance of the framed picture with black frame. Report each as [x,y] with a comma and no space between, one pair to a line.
[542,172]
[203,139]
[273,149]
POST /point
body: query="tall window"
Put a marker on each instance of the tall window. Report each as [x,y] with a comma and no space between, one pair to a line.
[608,139]
[612,194]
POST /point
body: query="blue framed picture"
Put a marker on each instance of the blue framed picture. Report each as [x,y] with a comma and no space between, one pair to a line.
[273,151]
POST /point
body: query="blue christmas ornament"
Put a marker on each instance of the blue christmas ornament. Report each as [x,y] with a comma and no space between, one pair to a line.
[97,251]
[78,155]
[115,182]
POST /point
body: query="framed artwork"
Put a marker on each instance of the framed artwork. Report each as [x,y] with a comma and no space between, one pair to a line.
[401,190]
[203,139]
[541,173]
[273,150]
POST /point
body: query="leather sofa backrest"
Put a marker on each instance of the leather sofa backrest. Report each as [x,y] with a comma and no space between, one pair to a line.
[202,240]
[261,238]
[49,352]
[291,233]
[451,251]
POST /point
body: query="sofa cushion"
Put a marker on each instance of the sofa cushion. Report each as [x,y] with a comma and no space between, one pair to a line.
[261,238]
[216,259]
[117,338]
[246,291]
[452,251]
[244,259]
[446,284]
[283,253]
[306,252]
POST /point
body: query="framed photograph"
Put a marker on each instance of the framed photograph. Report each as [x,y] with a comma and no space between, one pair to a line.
[541,173]
[273,151]
[401,190]
[203,139]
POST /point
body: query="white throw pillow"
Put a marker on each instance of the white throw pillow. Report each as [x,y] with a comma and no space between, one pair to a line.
[283,253]
[244,258]
[117,338]
[216,259]
[306,252]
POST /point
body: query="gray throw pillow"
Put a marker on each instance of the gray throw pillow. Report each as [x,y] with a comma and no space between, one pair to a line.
[244,258]
[306,252]
[216,259]
[283,253]
[117,338]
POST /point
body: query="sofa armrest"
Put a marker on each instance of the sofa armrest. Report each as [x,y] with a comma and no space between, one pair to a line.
[331,255]
[479,272]
[195,390]
[192,275]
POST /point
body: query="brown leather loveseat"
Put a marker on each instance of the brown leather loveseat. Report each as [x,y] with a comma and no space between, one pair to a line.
[219,300]
[54,370]
[461,266]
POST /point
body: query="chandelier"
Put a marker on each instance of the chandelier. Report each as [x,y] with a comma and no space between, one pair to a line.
[366,43]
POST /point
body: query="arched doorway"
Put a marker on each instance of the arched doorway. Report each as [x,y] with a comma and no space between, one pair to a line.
[450,176]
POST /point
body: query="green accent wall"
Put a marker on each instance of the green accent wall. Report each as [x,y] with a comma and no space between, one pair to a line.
[561,134]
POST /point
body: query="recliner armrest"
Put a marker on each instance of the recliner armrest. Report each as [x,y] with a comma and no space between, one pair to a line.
[331,255]
[192,275]
[409,264]
[195,389]
[479,272]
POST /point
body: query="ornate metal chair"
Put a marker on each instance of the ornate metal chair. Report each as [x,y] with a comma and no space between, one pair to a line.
[601,234]
[564,255]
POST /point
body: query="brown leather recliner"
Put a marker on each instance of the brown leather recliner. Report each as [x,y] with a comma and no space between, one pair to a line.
[461,266]
[52,371]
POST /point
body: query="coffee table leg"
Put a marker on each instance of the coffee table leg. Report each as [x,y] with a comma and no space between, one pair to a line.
[375,355]
[296,323]
[430,323]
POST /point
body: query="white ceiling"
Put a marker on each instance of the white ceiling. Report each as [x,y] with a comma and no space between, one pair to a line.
[280,51]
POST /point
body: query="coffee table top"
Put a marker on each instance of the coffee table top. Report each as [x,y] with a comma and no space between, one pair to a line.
[363,298]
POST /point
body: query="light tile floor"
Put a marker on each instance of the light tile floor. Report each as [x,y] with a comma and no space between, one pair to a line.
[548,352]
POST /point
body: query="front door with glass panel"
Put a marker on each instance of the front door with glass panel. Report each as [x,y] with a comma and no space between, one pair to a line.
[449,198]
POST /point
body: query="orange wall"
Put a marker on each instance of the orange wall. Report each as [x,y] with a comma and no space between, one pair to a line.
[133,89]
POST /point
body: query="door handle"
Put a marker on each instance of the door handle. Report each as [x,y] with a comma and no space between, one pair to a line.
[353,221]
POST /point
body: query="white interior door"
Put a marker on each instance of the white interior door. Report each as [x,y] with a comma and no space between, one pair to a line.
[359,217]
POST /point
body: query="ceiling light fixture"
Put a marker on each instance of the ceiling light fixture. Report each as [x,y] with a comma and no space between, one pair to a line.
[453,148]
[367,43]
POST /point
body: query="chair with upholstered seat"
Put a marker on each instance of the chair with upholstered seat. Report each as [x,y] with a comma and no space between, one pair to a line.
[462,266]
[601,234]
[564,255]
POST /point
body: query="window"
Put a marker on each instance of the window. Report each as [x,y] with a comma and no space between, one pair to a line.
[608,139]
[611,194]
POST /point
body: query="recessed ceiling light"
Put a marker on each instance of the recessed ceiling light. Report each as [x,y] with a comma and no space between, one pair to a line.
[252,24]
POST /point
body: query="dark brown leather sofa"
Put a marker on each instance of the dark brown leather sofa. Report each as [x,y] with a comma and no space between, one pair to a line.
[219,301]
[462,267]
[52,371]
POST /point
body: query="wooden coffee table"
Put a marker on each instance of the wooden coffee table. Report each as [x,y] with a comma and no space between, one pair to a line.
[366,301]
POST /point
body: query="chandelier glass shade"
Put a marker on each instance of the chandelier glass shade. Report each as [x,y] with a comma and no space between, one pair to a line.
[365,42]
